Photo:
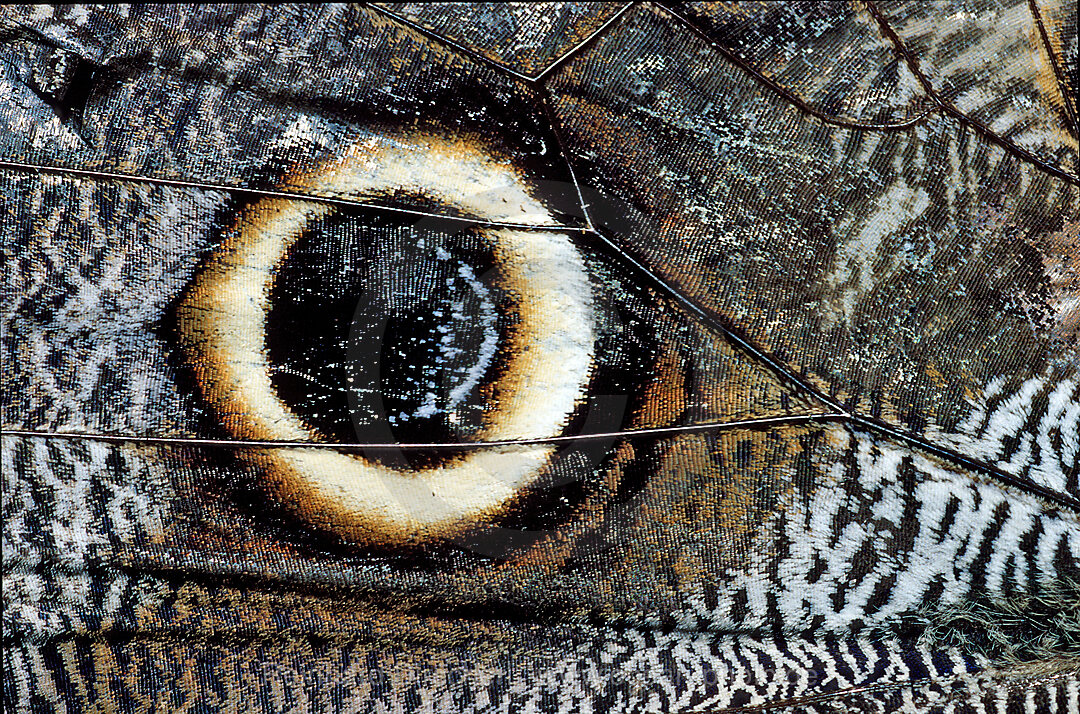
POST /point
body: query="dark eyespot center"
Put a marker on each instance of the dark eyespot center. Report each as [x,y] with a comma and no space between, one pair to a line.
[384,332]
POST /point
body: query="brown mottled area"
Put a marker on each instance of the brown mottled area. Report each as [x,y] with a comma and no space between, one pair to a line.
[1018,95]
[1059,18]
[829,55]
[627,554]
[710,380]
[702,521]
[526,37]
[900,270]
[205,611]
[1061,257]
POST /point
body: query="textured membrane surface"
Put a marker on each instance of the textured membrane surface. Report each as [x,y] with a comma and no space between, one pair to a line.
[553,357]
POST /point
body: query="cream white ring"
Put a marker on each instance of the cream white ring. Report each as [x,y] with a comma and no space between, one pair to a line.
[223,326]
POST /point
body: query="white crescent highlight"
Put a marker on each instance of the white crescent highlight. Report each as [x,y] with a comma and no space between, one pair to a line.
[223,333]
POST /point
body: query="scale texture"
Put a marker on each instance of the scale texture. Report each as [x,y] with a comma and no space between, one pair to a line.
[804,277]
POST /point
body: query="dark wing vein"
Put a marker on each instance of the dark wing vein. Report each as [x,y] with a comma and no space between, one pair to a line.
[787,95]
[269,193]
[757,423]
[1055,62]
[913,64]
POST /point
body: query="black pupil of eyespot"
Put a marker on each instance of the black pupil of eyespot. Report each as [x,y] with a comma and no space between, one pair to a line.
[384,332]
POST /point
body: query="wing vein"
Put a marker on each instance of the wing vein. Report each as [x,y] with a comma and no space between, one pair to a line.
[7,164]
[784,93]
[447,42]
[1055,63]
[989,134]
[755,423]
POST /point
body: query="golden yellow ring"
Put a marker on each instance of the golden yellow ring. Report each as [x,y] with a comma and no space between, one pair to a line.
[223,332]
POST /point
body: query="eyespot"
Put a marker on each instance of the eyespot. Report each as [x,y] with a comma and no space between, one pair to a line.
[547,355]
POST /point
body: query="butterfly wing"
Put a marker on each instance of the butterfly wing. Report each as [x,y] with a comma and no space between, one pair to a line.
[840,245]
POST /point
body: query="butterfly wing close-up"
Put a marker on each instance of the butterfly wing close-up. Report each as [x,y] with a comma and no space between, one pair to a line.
[541,357]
